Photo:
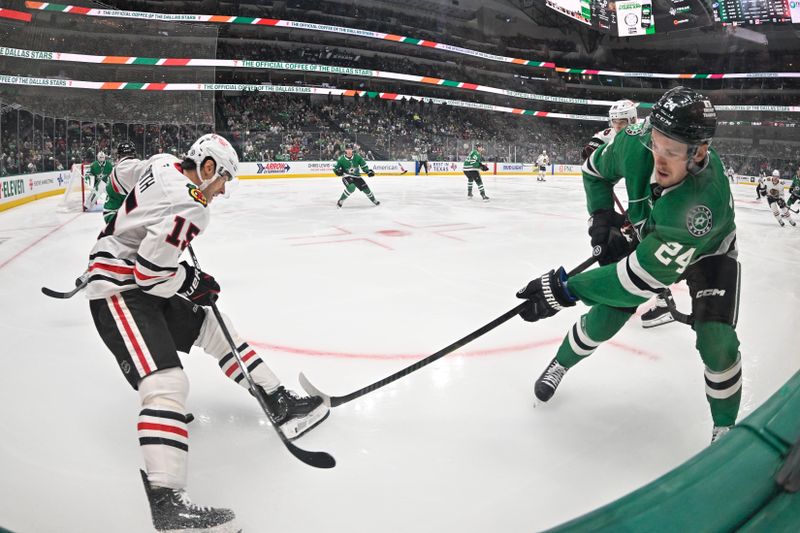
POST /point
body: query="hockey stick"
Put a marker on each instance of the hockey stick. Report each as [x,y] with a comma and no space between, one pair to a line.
[315,459]
[677,315]
[64,295]
[334,401]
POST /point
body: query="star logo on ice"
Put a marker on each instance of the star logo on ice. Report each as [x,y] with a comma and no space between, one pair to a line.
[699,220]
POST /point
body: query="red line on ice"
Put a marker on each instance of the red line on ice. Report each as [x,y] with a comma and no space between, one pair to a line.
[467,353]
[37,241]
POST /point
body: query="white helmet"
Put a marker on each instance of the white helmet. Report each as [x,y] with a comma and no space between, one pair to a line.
[101,157]
[623,109]
[220,150]
[776,173]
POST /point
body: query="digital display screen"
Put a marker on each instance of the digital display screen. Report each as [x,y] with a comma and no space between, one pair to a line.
[629,18]
[752,11]
[580,10]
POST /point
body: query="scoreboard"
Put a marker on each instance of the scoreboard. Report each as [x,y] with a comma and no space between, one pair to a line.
[627,18]
[752,11]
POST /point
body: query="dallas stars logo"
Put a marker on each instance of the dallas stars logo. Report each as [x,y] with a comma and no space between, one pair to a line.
[699,220]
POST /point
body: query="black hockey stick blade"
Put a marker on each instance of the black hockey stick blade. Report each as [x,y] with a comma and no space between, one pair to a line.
[315,459]
[677,315]
[334,401]
[64,295]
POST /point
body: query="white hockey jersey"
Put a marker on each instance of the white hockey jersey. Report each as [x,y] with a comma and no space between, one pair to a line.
[542,160]
[141,247]
[598,139]
[774,191]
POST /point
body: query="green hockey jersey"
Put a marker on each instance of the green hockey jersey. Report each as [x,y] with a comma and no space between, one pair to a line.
[794,188]
[473,161]
[351,166]
[677,226]
[100,171]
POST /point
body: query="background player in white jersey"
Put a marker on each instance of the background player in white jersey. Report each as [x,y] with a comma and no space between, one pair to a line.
[775,199]
[147,306]
[761,186]
[542,161]
[731,174]
[620,115]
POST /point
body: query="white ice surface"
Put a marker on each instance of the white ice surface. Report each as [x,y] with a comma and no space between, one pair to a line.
[350,296]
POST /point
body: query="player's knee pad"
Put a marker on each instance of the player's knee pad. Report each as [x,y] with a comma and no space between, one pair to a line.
[363,187]
[167,388]
[212,340]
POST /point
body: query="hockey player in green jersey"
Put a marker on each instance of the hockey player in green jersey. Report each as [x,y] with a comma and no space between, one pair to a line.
[100,170]
[349,167]
[472,165]
[794,188]
[681,207]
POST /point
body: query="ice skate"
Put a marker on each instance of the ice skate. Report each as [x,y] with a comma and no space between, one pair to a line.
[658,315]
[294,414]
[339,204]
[548,382]
[174,512]
[485,198]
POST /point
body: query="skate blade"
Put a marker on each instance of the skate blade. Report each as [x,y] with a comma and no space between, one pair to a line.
[660,321]
[296,428]
[227,527]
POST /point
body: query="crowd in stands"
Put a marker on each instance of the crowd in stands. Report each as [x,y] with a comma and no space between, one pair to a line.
[290,127]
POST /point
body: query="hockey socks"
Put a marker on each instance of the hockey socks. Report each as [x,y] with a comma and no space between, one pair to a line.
[598,325]
[719,347]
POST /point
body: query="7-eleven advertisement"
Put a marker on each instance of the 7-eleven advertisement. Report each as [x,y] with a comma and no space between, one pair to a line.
[635,17]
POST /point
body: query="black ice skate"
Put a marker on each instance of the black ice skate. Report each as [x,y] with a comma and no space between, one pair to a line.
[658,315]
[339,204]
[376,202]
[469,195]
[485,198]
[174,512]
[294,414]
[548,382]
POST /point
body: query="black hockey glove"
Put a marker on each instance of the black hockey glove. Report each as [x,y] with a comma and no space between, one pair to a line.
[199,287]
[609,245]
[546,296]
[338,171]
[485,168]
[370,173]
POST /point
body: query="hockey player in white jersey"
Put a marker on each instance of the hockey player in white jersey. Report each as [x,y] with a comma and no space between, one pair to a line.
[776,201]
[147,306]
[620,115]
[542,161]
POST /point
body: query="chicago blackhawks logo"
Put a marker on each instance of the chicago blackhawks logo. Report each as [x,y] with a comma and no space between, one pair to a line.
[197,194]
[698,220]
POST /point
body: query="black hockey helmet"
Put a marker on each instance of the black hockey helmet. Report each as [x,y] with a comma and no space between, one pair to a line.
[684,115]
[126,149]
[348,146]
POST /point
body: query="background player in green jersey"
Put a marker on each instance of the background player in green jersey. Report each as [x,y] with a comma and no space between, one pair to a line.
[794,188]
[473,164]
[684,220]
[99,171]
[349,167]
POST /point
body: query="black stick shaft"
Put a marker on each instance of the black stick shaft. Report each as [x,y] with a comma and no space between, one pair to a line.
[315,459]
[505,317]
